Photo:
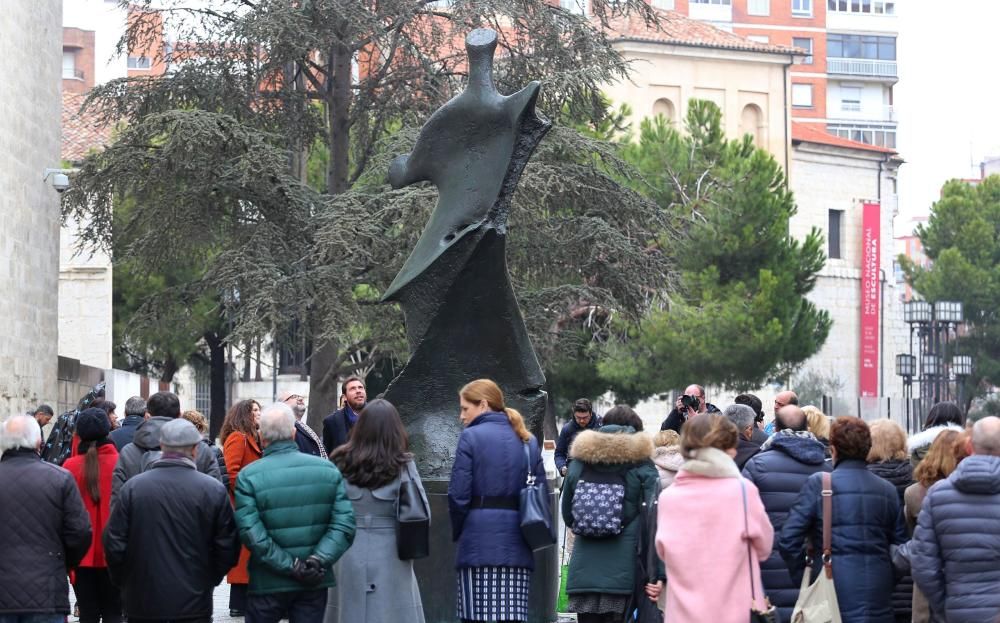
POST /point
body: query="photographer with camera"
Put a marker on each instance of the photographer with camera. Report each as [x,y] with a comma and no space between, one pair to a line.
[690,404]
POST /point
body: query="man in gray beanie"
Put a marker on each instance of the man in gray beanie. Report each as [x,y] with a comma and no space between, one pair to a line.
[174,522]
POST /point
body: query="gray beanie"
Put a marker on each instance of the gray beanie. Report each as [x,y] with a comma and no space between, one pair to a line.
[179,434]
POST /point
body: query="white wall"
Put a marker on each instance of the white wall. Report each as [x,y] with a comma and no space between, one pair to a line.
[30,106]
[84,301]
[874,101]
[108,21]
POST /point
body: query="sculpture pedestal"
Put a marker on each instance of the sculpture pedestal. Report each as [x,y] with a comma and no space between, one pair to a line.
[436,573]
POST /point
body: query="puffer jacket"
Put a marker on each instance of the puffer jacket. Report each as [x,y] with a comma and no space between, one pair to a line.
[898,473]
[490,462]
[955,551]
[607,565]
[779,474]
[566,436]
[147,438]
[867,522]
[668,461]
[918,445]
[291,505]
[46,531]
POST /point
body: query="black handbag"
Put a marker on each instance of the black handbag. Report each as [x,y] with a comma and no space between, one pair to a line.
[536,518]
[413,518]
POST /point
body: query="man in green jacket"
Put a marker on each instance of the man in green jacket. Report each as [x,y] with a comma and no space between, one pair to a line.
[295,518]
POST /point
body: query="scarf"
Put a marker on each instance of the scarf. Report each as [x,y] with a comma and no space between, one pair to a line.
[711,462]
[786,432]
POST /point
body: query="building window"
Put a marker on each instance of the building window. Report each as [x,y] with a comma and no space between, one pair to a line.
[203,390]
[719,2]
[802,95]
[759,38]
[806,44]
[759,7]
[139,62]
[861,46]
[664,4]
[802,8]
[850,99]
[69,65]
[833,234]
[870,7]
[872,134]
[577,7]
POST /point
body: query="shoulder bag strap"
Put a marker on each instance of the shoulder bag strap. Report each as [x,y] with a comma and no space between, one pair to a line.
[530,481]
[746,530]
[828,523]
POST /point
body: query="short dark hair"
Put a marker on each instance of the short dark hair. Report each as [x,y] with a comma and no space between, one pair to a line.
[348,381]
[942,414]
[623,415]
[851,437]
[583,405]
[753,402]
[107,406]
[46,409]
[164,404]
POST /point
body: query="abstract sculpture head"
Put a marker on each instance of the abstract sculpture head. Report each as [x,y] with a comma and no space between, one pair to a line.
[465,149]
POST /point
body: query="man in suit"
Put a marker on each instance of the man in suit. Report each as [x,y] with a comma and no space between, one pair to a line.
[337,426]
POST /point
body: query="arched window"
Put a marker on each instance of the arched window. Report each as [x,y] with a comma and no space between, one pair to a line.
[664,107]
[752,123]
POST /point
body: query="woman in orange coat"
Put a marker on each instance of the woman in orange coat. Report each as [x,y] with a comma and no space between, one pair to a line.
[92,467]
[240,446]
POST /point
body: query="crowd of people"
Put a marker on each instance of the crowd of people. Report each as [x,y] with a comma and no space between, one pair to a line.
[710,519]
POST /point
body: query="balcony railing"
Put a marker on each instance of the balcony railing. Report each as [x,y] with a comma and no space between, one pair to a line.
[854,110]
[862,67]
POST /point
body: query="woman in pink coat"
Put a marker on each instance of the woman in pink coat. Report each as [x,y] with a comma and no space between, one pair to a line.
[702,531]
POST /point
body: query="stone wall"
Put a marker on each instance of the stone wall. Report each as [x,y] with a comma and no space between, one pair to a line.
[30,110]
[828,178]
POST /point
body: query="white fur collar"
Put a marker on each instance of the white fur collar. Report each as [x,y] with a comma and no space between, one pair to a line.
[712,463]
[924,439]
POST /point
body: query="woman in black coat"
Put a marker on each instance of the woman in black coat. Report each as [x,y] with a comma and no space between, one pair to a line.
[889,460]
[866,523]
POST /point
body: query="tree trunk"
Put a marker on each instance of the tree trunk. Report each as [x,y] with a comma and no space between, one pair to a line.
[323,390]
[217,384]
[170,368]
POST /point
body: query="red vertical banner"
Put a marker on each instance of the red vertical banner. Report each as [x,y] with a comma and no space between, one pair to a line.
[871,240]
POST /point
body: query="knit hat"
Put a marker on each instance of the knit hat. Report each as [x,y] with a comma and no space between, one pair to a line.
[179,433]
[92,424]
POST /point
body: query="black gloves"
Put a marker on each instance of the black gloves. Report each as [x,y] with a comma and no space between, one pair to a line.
[309,571]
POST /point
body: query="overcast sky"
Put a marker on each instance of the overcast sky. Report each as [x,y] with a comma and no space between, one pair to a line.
[947,98]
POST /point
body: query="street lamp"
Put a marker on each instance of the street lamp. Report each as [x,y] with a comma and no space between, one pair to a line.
[917,312]
[961,365]
[930,364]
[906,367]
[949,312]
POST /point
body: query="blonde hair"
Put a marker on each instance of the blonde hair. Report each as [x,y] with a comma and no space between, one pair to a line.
[666,438]
[888,441]
[817,422]
[196,418]
[485,389]
[708,430]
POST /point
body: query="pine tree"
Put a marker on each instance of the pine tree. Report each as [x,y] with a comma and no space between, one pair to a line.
[739,315]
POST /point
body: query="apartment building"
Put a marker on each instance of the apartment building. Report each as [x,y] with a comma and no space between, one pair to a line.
[844,82]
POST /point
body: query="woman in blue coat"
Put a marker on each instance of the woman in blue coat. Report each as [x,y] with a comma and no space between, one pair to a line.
[867,521]
[493,561]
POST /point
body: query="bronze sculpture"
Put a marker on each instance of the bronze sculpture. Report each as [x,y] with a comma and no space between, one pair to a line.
[462,318]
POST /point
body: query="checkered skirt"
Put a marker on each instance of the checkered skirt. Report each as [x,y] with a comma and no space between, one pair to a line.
[493,593]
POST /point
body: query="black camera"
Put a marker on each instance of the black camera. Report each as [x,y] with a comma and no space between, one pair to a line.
[691,402]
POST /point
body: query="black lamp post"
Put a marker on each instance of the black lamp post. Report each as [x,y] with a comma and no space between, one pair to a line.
[936,327]
[906,367]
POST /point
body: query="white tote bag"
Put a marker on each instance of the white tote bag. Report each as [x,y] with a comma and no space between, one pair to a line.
[817,602]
